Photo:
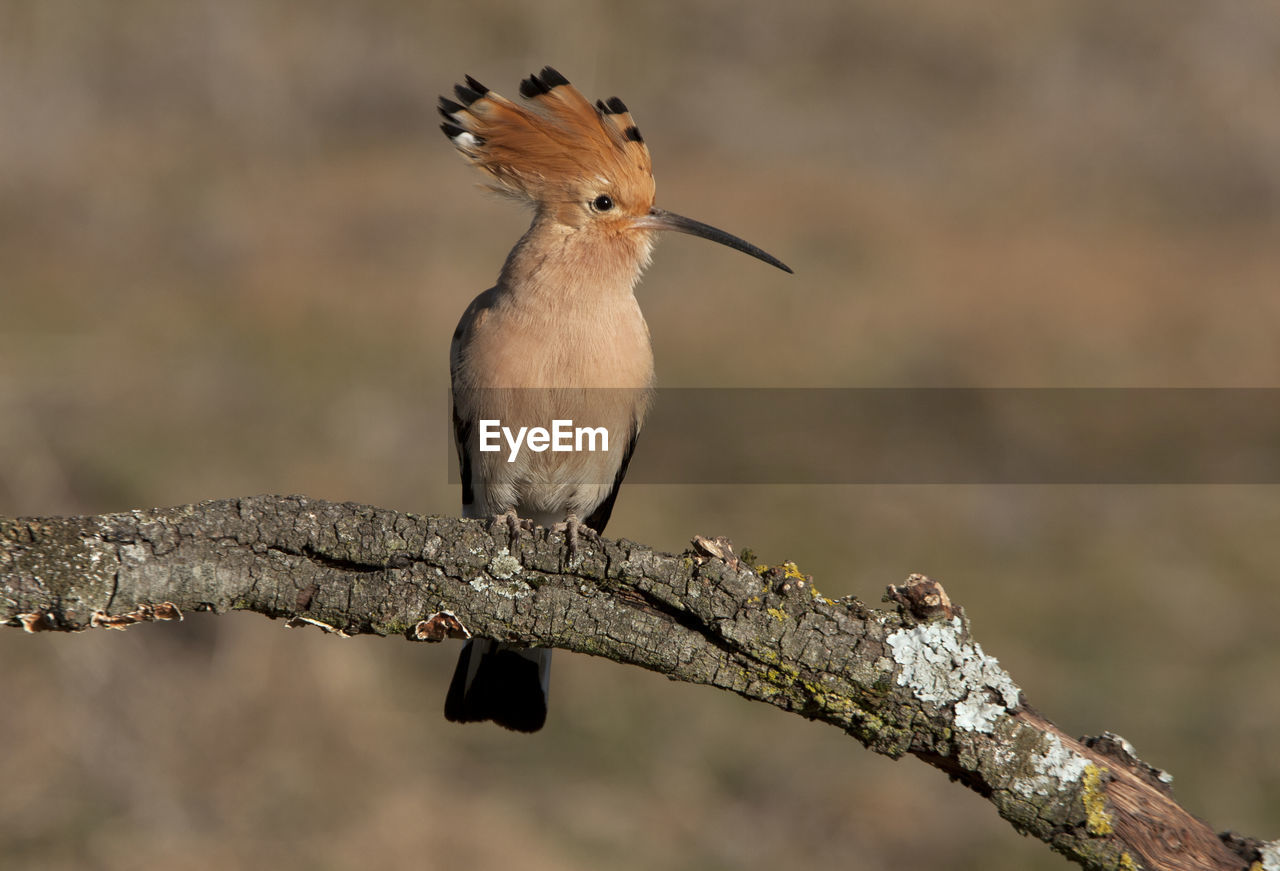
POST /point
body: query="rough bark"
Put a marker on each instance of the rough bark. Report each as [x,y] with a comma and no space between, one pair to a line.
[906,681]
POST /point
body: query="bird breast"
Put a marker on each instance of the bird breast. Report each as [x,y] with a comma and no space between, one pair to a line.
[527,367]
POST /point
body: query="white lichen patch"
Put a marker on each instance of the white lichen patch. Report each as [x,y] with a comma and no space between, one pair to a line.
[977,713]
[504,566]
[940,667]
[1270,851]
[509,590]
[1053,766]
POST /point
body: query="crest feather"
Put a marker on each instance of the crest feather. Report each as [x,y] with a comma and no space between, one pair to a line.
[555,146]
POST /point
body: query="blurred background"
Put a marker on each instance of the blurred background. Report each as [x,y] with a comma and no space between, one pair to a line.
[234,245]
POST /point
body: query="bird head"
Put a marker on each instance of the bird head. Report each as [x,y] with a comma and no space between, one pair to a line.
[584,166]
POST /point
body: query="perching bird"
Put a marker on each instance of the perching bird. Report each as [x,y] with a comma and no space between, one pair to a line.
[559,337]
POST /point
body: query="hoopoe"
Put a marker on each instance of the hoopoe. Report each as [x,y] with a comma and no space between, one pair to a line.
[559,337]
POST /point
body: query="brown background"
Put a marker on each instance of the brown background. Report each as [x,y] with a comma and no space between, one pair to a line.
[233,246]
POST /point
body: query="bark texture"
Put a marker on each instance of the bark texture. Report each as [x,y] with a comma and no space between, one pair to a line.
[906,681]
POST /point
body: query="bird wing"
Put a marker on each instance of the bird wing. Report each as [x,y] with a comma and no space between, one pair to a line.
[464,424]
[599,517]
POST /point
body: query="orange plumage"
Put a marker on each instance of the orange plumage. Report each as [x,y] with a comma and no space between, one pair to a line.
[557,148]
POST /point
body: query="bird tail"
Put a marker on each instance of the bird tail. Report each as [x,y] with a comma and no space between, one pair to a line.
[502,683]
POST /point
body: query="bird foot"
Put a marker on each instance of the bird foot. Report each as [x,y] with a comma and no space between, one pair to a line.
[515,525]
[574,530]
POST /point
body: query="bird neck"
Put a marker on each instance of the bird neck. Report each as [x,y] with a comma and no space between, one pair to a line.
[556,264]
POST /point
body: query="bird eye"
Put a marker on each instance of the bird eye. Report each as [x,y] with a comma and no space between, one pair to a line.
[602,203]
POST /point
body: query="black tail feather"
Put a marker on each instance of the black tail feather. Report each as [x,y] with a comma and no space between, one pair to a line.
[505,687]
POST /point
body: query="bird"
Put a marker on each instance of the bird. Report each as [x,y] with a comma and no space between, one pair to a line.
[559,337]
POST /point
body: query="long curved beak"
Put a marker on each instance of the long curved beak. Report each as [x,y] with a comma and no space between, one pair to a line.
[661,219]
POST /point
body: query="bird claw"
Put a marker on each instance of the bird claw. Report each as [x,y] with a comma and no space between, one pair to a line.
[574,530]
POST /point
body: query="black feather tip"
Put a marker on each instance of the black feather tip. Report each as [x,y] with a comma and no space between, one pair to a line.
[542,83]
[470,92]
[533,87]
[448,108]
[552,78]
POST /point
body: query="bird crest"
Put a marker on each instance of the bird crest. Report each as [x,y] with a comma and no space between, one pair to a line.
[555,147]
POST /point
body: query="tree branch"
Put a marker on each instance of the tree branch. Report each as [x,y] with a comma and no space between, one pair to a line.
[908,681]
